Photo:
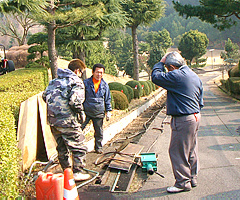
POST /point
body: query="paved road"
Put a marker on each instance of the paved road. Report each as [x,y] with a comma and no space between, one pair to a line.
[219,151]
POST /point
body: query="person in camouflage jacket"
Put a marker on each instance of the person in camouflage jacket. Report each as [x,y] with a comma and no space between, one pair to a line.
[64,97]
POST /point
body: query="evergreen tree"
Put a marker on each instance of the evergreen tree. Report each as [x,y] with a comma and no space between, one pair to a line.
[222,13]
[120,45]
[231,53]
[193,44]
[64,13]
[140,12]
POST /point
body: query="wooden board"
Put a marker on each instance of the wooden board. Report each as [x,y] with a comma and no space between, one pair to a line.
[125,166]
[27,131]
[49,141]
[125,179]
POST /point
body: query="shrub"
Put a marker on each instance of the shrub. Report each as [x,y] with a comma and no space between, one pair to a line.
[137,88]
[120,99]
[33,65]
[130,92]
[10,154]
[150,85]
[15,87]
[234,71]
[153,85]
[119,87]
[234,84]
[146,90]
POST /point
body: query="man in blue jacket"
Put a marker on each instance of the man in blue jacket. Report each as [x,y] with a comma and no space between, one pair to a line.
[97,103]
[184,102]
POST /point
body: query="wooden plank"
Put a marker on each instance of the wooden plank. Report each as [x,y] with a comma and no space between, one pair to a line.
[49,141]
[134,149]
[27,131]
[126,179]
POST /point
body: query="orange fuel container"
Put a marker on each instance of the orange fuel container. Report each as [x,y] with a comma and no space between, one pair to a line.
[49,186]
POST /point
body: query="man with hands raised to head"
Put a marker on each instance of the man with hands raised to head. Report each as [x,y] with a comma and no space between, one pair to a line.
[184,102]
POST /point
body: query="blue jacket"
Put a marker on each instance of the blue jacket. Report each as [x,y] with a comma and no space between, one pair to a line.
[184,89]
[96,104]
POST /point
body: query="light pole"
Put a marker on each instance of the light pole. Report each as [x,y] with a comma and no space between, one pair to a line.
[211,50]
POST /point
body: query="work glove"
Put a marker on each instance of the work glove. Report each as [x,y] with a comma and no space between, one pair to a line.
[81,117]
[108,115]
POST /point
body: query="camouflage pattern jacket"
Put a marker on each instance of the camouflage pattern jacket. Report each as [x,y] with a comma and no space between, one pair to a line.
[64,97]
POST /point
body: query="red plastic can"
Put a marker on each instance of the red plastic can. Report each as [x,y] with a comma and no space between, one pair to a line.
[49,186]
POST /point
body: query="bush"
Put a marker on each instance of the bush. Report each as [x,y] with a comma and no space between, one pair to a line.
[137,88]
[234,85]
[145,87]
[150,86]
[10,154]
[120,87]
[130,92]
[120,99]
[15,87]
[234,71]
[33,65]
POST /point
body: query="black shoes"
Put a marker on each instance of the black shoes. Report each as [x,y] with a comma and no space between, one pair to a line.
[194,183]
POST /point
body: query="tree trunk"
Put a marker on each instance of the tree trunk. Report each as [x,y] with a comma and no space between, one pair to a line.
[82,55]
[52,54]
[135,54]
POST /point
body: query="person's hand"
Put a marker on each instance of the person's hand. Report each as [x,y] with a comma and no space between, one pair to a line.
[164,58]
[108,115]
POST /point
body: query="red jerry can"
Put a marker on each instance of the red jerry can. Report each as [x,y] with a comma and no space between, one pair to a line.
[49,186]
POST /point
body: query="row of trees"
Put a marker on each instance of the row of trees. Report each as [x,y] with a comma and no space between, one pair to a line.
[78,26]
[88,19]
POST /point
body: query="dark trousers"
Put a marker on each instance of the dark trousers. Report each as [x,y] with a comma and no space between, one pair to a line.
[98,130]
[70,140]
[183,149]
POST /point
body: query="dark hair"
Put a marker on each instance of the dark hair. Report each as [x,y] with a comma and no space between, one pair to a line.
[99,66]
[76,64]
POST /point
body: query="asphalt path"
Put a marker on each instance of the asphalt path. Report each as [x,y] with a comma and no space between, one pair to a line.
[219,151]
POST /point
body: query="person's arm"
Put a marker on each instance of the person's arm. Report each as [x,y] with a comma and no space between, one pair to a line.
[201,104]
[164,79]
[108,106]
[77,97]
[107,99]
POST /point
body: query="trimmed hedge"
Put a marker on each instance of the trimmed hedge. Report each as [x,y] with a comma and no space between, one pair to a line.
[150,86]
[234,84]
[15,87]
[234,71]
[145,87]
[120,87]
[120,99]
[137,88]
[130,92]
